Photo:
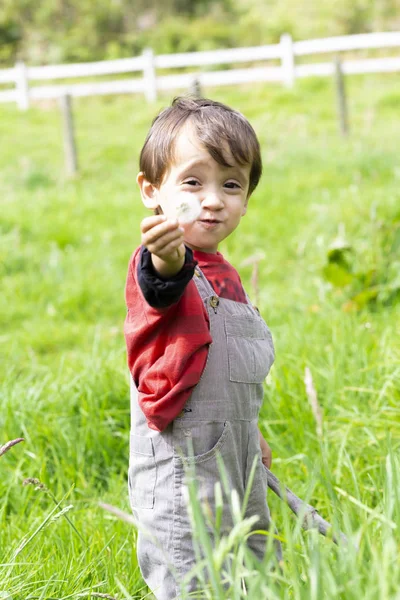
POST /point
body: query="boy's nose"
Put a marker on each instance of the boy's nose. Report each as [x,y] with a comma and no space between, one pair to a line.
[212,201]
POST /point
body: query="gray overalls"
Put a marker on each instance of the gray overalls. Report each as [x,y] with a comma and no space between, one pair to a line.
[221,416]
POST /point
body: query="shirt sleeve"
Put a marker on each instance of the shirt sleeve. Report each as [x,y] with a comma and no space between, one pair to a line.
[158,292]
[167,348]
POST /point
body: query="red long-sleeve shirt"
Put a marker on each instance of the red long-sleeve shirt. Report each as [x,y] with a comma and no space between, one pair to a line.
[167,330]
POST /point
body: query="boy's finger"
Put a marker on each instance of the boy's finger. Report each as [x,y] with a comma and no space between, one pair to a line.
[156,243]
[157,221]
[165,250]
[174,249]
[159,231]
[149,222]
[267,461]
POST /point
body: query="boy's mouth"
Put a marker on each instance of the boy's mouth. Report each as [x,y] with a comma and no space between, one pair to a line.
[209,223]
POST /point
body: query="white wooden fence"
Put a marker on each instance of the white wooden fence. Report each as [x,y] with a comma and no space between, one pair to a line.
[151,81]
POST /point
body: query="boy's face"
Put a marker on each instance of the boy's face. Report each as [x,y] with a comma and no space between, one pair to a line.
[221,191]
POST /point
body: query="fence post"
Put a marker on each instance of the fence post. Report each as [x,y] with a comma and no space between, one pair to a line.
[149,75]
[195,88]
[287,64]
[22,85]
[341,99]
[71,161]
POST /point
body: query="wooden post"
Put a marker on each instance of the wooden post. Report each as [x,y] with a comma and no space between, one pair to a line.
[287,64]
[195,88]
[149,76]
[22,85]
[341,100]
[71,161]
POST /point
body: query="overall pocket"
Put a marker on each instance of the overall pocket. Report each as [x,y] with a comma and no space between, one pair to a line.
[142,472]
[199,441]
[250,349]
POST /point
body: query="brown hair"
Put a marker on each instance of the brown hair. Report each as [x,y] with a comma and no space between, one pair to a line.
[214,123]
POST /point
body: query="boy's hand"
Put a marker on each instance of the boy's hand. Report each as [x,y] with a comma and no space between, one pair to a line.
[164,240]
[265,451]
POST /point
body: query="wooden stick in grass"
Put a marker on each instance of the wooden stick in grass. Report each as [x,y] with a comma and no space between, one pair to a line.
[311,519]
[117,512]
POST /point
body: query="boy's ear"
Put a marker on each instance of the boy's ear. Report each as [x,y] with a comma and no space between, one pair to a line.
[148,191]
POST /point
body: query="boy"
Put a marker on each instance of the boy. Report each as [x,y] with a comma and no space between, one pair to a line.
[198,351]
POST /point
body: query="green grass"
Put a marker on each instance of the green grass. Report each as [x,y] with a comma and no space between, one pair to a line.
[64,250]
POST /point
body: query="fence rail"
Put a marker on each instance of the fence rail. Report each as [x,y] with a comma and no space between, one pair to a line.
[151,81]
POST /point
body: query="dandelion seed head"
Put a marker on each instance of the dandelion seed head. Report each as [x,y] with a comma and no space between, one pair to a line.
[184,207]
[188,209]
[36,482]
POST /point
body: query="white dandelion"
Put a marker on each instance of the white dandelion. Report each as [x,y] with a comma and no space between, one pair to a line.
[184,207]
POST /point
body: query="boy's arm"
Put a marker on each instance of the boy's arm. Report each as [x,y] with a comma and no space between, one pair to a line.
[159,292]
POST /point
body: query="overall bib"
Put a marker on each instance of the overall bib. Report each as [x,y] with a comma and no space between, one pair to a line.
[220,417]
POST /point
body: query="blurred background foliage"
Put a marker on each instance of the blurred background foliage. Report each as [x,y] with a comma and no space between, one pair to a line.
[53,31]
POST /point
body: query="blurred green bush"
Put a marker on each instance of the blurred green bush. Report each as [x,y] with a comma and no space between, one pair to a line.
[66,31]
[367,278]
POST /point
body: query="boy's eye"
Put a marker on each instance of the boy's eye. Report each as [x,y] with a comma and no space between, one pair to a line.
[232,185]
[191,182]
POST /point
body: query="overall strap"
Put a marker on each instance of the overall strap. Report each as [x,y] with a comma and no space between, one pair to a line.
[203,285]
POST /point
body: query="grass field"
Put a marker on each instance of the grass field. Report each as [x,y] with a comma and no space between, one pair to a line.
[64,250]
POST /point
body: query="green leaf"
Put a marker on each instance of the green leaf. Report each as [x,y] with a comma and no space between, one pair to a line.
[365,297]
[339,250]
[337,275]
